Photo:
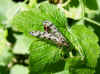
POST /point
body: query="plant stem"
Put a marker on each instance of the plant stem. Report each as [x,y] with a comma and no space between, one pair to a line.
[70,53]
[83,7]
[32,3]
[25,1]
[66,3]
[82,2]
[91,21]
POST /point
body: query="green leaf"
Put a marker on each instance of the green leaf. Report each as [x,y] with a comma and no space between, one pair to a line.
[74,3]
[5,54]
[22,44]
[76,66]
[15,9]
[4,70]
[98,67]
[91,4]
[87,44]
[74,10]
[55,15]
[74,13]
[36,16]
[19,69]
[33,17]
[5,5]
[1,26]
[32,3]
[62,72]
[42,54]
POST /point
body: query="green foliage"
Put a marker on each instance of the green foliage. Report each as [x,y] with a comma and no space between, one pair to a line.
[27,23]
[42,13]
[5,55]
[21,53]
[40,48]
[88,42]
[19,69]
[77,66]
[22,45]
[3,70]
[91,4]
[44,54]
[5,5]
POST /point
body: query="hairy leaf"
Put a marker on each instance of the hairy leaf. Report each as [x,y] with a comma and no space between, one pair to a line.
[4,6]
[76,66]
[91,4]
[42,54]
[88,43]
[32,19]
[4,70]
[5,55]
[22,44]
[19,69]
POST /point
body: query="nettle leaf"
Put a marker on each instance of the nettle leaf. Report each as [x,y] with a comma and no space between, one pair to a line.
[74,13]
[4,70]
[28,20]
[22,44]
[88,43]
[62,72]
[19,69]
[41,54]
[74,10]
[15,9]
[76,66]
[5,54]
[32,3]
[91,4]
[55,15]
[32,19]
[5,5]
[98,66]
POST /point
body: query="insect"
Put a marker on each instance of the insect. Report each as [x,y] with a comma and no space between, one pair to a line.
[46,35]
[51,33]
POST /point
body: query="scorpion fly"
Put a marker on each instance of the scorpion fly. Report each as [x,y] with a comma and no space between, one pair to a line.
[51,33]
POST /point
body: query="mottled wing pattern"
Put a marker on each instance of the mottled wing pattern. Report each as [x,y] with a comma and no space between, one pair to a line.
[45,35]
[49,27]
[51,33]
